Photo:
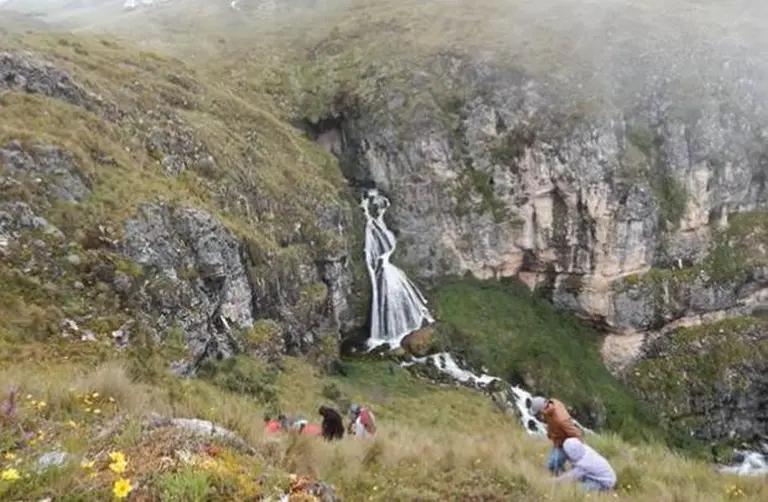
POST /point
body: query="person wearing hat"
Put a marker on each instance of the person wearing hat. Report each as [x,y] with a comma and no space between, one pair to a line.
[591,469]
[560,426]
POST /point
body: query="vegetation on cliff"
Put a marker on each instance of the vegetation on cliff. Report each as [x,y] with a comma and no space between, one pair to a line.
[693,370]
[517,336]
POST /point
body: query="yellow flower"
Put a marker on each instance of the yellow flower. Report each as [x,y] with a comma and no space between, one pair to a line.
[9,456]
[111,399]
[122,488]
[87,464]
[9,475]
[29,396]
[87,410]
[119,463]
[95,395]
[72,424]
[97,411]
[41,405]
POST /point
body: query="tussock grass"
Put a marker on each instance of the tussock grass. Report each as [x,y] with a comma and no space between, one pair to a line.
[435,443]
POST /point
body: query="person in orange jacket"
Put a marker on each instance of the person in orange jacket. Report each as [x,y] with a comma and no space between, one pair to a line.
[560,426]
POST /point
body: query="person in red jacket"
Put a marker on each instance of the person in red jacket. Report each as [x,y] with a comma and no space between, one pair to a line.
[272,425]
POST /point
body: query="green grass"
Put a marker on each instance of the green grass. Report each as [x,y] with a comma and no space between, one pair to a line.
[500,325]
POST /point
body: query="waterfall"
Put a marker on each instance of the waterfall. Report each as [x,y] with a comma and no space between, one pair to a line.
[397,306]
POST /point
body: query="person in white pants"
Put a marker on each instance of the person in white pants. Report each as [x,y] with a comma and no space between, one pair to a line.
[590,468]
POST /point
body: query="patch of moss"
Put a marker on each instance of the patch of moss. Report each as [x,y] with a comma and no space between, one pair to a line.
[510,147]
[263,331]
[475,194]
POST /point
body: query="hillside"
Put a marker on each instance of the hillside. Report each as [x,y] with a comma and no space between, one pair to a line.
[181,238]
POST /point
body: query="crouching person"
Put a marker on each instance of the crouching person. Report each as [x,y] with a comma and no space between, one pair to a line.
[590,468]
[560,426]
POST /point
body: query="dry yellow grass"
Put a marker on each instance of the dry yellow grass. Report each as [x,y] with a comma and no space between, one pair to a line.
[435,443]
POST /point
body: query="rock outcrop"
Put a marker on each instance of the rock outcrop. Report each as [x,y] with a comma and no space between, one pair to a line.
[710,381]
[237,265]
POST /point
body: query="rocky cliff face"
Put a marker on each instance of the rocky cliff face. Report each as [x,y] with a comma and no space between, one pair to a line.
[491,172]
[118,213]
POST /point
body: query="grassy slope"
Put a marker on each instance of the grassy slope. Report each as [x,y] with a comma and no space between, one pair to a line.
[435,443]
[501,326]
[257,154]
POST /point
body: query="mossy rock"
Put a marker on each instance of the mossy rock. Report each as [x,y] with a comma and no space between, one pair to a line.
[694,374]
[421,342]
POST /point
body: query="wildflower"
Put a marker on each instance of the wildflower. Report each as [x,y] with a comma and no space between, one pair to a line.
[9,456]
[119,463]
[95,395]
[122,488]
[9,475]
[96,411]
[87,464]
[29,396]
[33,403]
[72,424]
[87,410]
[41,405]
[111,399]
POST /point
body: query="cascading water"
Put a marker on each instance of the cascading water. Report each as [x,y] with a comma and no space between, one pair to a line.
[397,307]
